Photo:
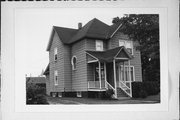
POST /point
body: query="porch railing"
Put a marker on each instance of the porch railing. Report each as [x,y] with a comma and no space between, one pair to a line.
[109,86]
[126,87]
[96,84]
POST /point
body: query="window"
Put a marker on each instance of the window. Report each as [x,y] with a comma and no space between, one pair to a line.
[96,67]
[55,54]
[121,43]
[74,62]
[79,94]
[99,45]
[127,44]
[125,76]
[55,77]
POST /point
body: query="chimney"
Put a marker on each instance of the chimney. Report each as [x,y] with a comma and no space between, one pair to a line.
[79,25]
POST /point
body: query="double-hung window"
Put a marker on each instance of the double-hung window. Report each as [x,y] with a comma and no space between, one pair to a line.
[99,45]
[127,44]
[55,54]
[55,77]
[125,75]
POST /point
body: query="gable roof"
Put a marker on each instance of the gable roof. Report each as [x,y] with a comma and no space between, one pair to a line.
[93,29]
[109,55]
[65,34]
[36,80]
[46,72]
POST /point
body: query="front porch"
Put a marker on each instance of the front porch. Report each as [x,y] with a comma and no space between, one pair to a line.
[110,70]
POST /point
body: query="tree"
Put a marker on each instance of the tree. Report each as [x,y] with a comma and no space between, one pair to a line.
[35,94]
[144,28]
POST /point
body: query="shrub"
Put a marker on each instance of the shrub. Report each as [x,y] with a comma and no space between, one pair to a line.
[136,88]
[143,94]
[35,94]
[142,89]
[109,93]
[152,87]
[41,99]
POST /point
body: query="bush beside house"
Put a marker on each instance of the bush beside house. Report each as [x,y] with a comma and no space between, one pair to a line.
[143,89]
[35,94]
[108,94]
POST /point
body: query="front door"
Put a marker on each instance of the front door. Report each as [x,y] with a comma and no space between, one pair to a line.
[124,75]
[120,74]
[96,75]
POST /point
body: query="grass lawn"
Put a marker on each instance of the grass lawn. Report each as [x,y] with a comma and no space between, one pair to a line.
[125,100]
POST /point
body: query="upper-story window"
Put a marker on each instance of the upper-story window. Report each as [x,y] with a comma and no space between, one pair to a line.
[99,45]
[55,54]
[55,77]
[127,44]
[74,62]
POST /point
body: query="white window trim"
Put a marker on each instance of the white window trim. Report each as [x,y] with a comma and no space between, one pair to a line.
[131,66]
[79,94]
[125,42]
[55,53]
[55,74]
[73,63]
[101,42]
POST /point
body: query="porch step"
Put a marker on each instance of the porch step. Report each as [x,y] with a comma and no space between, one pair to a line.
[121,93]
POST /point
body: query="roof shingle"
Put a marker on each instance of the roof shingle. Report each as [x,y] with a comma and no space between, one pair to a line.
[108,55]
[93,29]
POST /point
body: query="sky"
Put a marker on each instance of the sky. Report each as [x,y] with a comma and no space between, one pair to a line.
[33,28]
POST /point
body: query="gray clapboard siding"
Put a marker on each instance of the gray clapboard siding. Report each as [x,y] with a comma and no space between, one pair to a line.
[67,68]
[79,76]
[48,88]
[136,61]
[58,65]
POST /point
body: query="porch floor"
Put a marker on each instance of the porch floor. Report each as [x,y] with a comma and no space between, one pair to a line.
[96,89]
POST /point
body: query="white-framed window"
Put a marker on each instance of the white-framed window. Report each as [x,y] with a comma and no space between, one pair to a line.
[79,94]
[122,43]
[55,54]
[99,45]
[125,75]
[74,62]
[55,77]
[127,44]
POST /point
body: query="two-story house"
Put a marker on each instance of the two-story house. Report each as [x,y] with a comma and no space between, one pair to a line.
[91,59]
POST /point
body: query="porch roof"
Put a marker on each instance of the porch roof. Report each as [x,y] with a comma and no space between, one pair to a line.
[46,72]
[110,55]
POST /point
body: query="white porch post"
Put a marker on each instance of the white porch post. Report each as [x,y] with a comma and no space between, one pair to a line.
[123,71]
[99,74]
[105,76]
[129,70]
[129,77]
[114,66]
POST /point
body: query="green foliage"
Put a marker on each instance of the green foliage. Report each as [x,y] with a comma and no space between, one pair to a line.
[35,94]
[144,29]
[143,89]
